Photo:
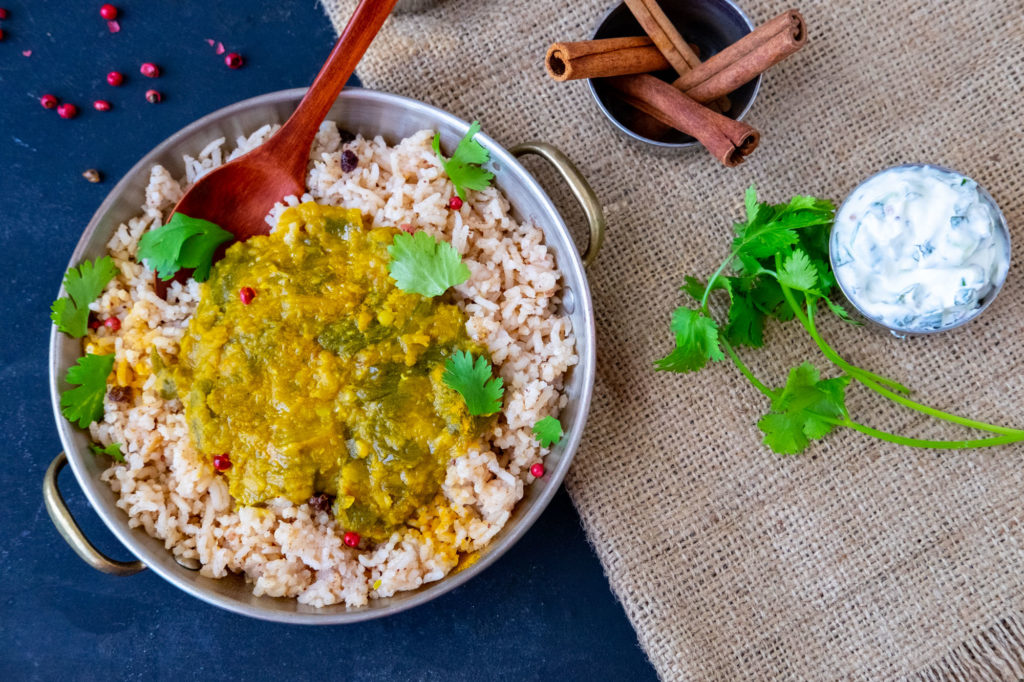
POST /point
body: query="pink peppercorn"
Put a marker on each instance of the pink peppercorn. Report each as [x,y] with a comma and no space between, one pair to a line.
[115,78]
[67,111]
[101,105]
[153,97]
[246,294]
[537,470]
[1,34]
[112,323]
[4,13]
[150,70]
[108,12]
[94,322]
[455,203]
[233,60]
[49,101]
[351,539]
[222,462]
[406,227]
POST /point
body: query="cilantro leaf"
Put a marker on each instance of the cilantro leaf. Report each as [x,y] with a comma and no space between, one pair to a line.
[770,229]
[803,410]
[745,325]
[114,450]
[83,285]
[548,431]
[183,242]
[463,169]
[798,273]
[84,403]
[696,342]
[473,380]
[422,265]
[841,312]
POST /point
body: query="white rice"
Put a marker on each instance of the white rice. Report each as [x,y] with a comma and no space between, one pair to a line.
[288,550]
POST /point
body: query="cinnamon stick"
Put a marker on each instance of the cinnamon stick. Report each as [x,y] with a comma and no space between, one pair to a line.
[599,58]
[666,38]
[737,64]
[728,140]
[744,60]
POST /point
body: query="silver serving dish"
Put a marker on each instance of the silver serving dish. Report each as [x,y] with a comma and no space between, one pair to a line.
[370,113]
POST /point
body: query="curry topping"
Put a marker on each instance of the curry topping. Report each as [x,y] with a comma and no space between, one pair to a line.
[329,382]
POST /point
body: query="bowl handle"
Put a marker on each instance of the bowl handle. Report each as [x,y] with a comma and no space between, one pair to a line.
[69,530]
[579,187]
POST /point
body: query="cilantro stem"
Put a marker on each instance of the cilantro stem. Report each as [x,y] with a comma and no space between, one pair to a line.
[758,384]
[1016,434]
[711,282]
[922,443]
[856,372]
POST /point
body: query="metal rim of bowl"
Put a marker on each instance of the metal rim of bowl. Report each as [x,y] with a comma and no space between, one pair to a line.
[117,522]
[899,331]
[657,143]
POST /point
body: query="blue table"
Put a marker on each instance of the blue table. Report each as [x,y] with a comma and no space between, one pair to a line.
[543,611]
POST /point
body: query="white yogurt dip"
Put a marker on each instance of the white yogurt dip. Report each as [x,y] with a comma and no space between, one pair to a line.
[919,248]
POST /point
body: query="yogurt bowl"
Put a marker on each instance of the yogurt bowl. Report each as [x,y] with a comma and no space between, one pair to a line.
[919,249]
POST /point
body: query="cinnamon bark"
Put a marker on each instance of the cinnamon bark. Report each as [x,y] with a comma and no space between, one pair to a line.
[599,58]
[664,35]
[745,59]
[737,64]
[728,140]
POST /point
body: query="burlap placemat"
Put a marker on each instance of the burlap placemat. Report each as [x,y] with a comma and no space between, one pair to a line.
[856,560]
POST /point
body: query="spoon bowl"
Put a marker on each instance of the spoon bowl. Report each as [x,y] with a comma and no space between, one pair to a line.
[238,195]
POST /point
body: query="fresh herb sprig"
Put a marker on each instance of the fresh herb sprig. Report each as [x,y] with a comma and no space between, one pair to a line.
[778,268]
[548,431]
[182,243]
[465,169]
[472,379]
[83,285]
[113,450]
[84,403]
[423,265]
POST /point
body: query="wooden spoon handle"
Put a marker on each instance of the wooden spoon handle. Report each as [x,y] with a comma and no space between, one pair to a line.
[301,127]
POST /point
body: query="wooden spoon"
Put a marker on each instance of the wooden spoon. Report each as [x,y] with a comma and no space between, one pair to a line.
[238,195]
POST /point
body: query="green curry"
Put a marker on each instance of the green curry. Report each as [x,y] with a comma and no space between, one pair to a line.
[329,379]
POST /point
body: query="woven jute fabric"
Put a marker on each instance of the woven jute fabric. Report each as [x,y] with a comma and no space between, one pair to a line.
[856,560]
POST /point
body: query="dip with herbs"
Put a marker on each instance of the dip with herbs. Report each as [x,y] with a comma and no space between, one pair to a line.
[919,248]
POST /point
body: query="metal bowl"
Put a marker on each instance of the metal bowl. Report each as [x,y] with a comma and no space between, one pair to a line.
[369,113]
[711,25]
[983,304]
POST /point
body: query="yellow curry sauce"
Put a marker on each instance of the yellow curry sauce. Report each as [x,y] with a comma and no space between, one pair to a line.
[329,380]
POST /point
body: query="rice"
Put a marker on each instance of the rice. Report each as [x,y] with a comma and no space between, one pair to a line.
[286,550]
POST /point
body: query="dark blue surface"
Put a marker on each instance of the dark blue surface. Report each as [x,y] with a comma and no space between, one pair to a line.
[543,611]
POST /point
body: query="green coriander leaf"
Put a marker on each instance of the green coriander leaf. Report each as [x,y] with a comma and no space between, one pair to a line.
[183,242]
[746,322]
[548,431]
[422,265]
[696,342]
[83,285]
[798,273]
[750,203]
[463,169]
[841,312]
[803,410]
[694,287]
[114,450]
[84,403]
[473,380]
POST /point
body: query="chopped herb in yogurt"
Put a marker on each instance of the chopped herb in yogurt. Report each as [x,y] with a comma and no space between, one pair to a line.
[919,248]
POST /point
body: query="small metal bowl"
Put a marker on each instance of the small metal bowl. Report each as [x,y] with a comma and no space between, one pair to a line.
[711,25]
[983,303]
